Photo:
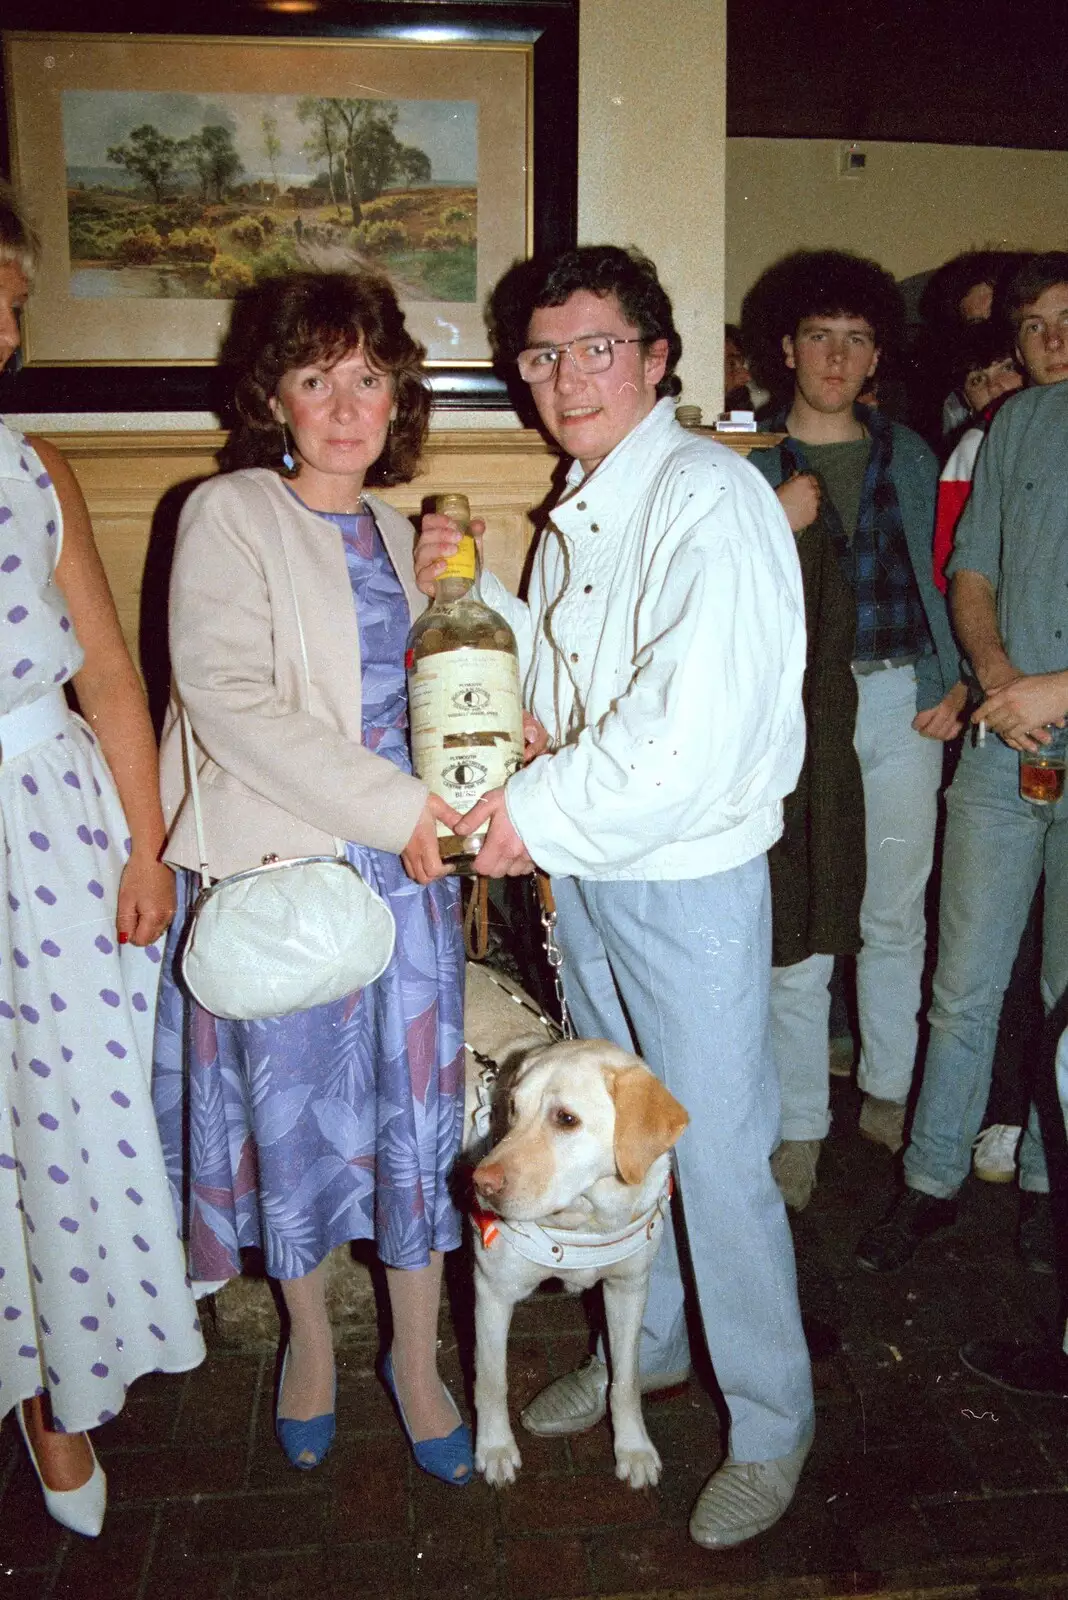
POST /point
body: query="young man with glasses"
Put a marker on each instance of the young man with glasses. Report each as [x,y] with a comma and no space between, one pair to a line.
[663,648]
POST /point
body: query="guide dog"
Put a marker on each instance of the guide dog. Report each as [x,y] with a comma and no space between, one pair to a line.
[577,1188]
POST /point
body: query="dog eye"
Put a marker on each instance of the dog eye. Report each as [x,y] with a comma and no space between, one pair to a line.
[565,1119]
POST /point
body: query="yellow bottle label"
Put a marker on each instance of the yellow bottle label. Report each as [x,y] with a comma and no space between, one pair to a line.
[462,564]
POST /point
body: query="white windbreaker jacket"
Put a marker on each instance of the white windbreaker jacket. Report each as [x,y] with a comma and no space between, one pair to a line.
[663,647]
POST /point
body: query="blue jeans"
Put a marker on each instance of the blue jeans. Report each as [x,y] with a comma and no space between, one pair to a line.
[678,971]
[997,847]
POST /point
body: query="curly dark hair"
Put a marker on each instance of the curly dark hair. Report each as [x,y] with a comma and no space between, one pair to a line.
[816,283]
[1033,276]
[307,318]
[601,269]
[946,288]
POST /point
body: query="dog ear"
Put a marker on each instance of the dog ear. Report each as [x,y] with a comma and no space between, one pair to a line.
[648,1120]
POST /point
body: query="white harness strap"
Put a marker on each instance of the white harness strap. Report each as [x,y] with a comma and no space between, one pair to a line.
[564,1249]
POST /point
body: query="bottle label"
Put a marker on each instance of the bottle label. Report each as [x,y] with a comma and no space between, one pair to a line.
[462,564]
[466,723]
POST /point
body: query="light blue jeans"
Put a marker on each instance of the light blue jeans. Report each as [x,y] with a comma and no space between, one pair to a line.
[678,971]
[997,847]
[800,1025]
[902,772]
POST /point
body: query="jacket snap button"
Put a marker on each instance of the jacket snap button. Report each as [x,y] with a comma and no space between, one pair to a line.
[574,655]
[581,505]
[595,527]
[588,589]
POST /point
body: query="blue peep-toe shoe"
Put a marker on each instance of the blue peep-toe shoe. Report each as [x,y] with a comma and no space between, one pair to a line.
[438,1457]
[303,1440]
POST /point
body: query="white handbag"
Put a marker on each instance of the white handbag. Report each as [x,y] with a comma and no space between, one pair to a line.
[283,936]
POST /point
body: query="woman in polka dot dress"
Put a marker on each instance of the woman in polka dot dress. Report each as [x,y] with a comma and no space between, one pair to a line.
[93,1290]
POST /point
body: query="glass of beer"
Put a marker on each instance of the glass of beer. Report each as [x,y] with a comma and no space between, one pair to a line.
[1042,770]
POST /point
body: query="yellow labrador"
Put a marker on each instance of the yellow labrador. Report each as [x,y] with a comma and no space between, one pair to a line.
[577,1188]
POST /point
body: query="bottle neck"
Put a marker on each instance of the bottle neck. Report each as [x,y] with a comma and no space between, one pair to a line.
[460,575]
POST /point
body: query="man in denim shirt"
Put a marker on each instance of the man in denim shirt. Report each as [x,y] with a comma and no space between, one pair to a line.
[1009,600]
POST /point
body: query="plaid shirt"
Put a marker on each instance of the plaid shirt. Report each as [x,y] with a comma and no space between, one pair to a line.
[891,621]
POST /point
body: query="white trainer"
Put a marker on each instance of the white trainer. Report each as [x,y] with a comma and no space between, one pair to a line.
[579,1400]
[995,1153]
[743,1498]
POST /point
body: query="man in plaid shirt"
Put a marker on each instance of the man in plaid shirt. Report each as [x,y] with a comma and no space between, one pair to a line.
[820,320]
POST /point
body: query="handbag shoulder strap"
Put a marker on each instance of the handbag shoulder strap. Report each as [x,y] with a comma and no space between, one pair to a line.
[190,747]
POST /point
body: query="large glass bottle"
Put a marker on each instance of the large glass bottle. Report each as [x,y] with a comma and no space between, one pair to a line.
[464,704]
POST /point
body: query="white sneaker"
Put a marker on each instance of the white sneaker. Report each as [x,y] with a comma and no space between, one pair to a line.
[995,1153]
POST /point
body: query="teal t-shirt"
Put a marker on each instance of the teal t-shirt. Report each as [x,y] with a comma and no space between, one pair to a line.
[842,468]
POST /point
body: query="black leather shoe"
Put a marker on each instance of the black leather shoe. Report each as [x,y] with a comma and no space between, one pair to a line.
[1034,1233]
[912,1218]
[1035,1369]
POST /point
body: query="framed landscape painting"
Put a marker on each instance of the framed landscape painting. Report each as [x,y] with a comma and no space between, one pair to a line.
[168,171]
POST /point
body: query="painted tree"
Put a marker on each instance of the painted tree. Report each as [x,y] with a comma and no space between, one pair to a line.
[213,156]
[149,155]
[372,157]
[272,144]
[325,141]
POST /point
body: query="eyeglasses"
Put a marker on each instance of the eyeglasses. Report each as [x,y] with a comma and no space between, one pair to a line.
[594,353]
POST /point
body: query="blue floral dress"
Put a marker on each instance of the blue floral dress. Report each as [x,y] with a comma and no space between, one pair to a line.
[298,1133]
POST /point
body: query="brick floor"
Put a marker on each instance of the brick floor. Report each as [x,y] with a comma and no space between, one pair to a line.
[922,1481]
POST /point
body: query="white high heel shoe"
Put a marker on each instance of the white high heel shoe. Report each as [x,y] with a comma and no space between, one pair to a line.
[82,1509]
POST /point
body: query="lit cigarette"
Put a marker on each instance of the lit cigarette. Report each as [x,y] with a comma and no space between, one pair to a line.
[982,734]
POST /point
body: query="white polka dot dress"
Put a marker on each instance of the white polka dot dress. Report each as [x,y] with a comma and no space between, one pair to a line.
[93,1290]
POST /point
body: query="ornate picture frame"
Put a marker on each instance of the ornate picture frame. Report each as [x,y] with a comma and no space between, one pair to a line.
[167,170]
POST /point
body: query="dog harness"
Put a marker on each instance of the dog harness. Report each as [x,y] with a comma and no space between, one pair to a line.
[564,1249]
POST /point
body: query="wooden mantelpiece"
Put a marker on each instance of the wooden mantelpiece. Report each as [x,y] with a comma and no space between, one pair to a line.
[135,483]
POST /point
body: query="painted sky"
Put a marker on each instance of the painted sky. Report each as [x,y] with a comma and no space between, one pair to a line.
[447,130]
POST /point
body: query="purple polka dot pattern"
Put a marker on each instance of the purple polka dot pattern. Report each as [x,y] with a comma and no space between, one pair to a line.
[71,1307]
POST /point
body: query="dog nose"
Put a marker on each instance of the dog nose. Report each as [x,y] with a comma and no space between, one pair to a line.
[489,1178]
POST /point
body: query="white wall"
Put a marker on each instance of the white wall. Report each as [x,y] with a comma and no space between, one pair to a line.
[915,206]
[652,99]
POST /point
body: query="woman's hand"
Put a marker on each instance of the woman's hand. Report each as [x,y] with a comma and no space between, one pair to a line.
[945,720]
[535,738]
[421,856]
[439,537]
[799,497]
[146,900]
[503,853]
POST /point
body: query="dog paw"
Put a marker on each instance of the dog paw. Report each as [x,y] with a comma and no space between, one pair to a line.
[638,1468]
[499,1464]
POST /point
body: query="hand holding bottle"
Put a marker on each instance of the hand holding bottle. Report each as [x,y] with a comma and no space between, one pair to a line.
[503,853]
[421,856]
[439,537]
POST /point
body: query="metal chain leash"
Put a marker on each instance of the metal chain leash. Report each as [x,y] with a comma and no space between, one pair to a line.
[553,954]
